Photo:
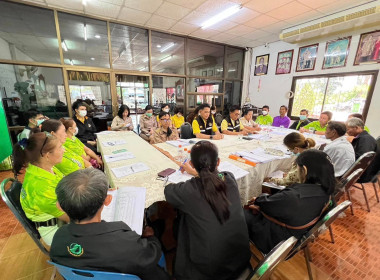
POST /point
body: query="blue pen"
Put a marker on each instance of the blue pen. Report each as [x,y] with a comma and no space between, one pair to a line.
[182,164]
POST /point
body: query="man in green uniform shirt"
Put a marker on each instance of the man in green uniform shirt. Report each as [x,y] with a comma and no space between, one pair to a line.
[319,126]
[265,118]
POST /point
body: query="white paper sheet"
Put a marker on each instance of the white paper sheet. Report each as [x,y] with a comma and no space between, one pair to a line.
[273,186]
[118,157]
[113,143]
[178,177]
[277,174]
[105,132]
[127,205]
[129,169]
[237,171]
[256,136]
[178,142]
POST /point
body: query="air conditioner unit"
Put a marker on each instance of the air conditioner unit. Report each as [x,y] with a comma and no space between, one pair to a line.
[202,61]
[365,15]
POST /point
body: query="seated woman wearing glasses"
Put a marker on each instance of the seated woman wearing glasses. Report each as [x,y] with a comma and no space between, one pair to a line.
[212,237]
[70,161]
[164,132]
[296,144]
[295,209]
[39,154]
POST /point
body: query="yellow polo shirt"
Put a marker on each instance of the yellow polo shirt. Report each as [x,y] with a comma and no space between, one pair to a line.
[196,128]
[37,197]
[177,121]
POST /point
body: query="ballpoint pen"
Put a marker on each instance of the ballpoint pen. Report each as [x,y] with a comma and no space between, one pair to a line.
[182,164]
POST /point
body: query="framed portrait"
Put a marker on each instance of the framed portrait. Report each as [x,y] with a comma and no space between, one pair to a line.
[284,62]
[261,64]
[368,49]
[232,69]
[204,73]
[307,56]
[336,53]
[210,73]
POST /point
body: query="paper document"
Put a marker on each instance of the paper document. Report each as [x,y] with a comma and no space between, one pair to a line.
[113,143]
[178,177]
[273,185]
[277,174]
[105,132]
[118,157]
[129,169]
[237,171]
[127,205]
[178,142]
[256,136]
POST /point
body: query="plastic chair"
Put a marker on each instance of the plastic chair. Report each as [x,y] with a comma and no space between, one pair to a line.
[11,197]
[362,162]
[186,131]
[279,253]
[79,274]
[315,231]
[344,186]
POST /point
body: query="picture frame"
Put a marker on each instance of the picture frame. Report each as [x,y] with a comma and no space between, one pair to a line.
[204,73]
[284,62]
[210,73]
[232,69]
[336,53]
[261,64]
[307,56]
[368,51]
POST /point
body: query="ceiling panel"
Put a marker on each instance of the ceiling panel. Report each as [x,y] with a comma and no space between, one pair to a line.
[172,11]
[134,16]
[292,9]
[188,4]
[160,22]
[149,6]
[261,21]
[184,28]
[263,6]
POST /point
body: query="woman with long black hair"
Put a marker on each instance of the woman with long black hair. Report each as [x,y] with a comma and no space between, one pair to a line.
[212,238]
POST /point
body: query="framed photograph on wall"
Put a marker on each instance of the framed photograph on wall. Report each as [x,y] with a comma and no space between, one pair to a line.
[284,62]
[336,53]
[368,49]
[261,64]
[307,56]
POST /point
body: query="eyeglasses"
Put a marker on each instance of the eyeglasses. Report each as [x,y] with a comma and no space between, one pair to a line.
[47,134]
[165,120]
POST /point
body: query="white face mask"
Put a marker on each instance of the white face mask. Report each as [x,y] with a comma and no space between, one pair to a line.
[265,113]
[82,113]
[166,110]
[179,115]
[213,112]
[76,131]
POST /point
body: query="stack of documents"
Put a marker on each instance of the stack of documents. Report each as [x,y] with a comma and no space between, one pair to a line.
[237,171]
[177,143]
[118,157]
[259,155]
[127,205]
[113,143]
[129,169]
[178,177]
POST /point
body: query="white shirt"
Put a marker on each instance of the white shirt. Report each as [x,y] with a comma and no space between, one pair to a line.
[341,153]
[249,123]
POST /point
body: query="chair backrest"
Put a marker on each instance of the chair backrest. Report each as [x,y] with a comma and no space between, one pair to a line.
[11,197]
[218,119]
[186,131]
[319,227]
[362,162]
[345,183]
[69,273]
[265,268]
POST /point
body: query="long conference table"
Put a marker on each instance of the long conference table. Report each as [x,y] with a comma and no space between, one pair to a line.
[160,156]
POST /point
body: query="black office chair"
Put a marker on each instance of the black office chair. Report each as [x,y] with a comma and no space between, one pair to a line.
[11,197]
[186,131]
[279,253]
[315,231]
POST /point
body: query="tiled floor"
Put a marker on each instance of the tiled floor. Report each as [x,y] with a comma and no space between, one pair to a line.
[355,254]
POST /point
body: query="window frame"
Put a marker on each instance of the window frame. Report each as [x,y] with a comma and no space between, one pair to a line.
[374,74]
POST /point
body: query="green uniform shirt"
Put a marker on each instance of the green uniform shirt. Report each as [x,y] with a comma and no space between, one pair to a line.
[37,197]
[317,126]
[70,162]
[264,120]
[74,145]
[366,129]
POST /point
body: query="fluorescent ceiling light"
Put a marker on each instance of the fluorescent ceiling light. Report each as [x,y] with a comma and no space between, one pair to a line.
[85,32]
[166,58]
[92,58]
[71,62]
[158,46]
[168,46]
[221,16]
[64,47]
[97,36]
[84,2]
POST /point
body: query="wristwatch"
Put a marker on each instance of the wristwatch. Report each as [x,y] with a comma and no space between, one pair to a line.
[211,137]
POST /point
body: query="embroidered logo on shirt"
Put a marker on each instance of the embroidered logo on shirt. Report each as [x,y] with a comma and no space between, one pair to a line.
[75,250]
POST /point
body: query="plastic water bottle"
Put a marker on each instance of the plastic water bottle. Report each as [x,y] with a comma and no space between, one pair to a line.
[180,154]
